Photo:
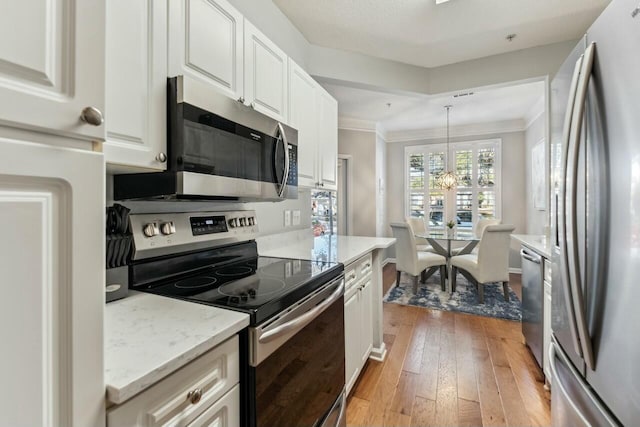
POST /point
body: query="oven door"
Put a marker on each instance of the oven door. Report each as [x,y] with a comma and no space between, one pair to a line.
[297,363]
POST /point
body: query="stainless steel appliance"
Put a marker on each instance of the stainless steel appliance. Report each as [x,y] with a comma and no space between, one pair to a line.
[218,149]
[293,351]
[532,300]
[596,259]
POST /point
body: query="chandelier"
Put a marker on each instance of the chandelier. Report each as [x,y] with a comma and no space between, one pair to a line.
[448,179]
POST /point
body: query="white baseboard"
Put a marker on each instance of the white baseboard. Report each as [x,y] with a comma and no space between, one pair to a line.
[388,260]
[515,270]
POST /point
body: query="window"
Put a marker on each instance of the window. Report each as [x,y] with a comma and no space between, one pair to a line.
[477,195]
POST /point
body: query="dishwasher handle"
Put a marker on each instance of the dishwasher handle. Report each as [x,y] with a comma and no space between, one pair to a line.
[530,256]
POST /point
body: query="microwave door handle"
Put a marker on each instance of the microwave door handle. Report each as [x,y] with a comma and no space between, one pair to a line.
[562,211]
[575,277]
[285,145]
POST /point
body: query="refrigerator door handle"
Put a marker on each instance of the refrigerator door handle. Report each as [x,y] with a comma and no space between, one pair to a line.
[575,278]
[562,212]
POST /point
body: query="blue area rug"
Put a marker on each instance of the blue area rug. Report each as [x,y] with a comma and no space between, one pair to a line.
[464,299]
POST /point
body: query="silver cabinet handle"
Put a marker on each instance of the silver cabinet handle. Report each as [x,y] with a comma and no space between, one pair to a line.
[92,116]
[194,396]
[161,157]
[575,278]
[241,100]
[526,255]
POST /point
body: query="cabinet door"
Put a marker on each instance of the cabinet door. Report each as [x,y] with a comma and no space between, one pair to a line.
[366,330]
[136,105]
[205,42]
[52,65]
[52,263]
[328,139]
[303,117]
[265,74]
[352,339]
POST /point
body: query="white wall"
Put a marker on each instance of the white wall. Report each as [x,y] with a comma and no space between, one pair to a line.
[361,145]
[269,19]
[381,185]
[513,181]
[362,70]
[536,219]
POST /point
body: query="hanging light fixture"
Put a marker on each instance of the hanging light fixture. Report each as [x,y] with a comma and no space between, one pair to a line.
[448,179]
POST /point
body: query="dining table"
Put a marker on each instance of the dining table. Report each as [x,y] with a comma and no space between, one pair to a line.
[441,240]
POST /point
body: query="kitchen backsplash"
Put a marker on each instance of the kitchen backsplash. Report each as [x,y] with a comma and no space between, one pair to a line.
[270,214]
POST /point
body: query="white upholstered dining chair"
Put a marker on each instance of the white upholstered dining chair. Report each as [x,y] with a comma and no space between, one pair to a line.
[480,226]
[413,262]
[418,227]
[490,264]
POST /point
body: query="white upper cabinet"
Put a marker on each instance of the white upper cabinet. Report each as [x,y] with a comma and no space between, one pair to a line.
[136,83]
[52,66]
[265,74]
[206,42]
[302,116]
[327,140]
[314,113]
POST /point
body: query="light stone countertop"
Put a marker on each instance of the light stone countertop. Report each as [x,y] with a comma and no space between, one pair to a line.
[147,337]
[538,243]
[344,249]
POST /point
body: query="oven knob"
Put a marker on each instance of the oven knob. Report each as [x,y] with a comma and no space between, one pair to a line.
[233,223]
[168,228]
[251,220]
[150,230]
[243,222]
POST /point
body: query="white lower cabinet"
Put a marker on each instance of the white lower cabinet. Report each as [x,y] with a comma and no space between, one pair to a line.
[203,393]
[52,263]
[358,320]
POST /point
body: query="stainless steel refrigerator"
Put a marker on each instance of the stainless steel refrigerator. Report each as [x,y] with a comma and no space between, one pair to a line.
[595,149]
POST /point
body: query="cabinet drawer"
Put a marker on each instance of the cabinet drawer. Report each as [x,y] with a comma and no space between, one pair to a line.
[171,401]
[364,267]
[350,276]
[358,270]
[224,413]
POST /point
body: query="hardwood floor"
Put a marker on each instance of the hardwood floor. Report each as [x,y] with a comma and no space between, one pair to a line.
[449,369]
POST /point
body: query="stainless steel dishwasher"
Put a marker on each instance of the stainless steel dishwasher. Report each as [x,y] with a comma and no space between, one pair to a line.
[532,301]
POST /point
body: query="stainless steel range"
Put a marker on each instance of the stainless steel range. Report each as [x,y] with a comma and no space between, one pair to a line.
[293,367]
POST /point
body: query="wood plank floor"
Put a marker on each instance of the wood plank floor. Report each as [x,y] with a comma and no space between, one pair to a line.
[449,369]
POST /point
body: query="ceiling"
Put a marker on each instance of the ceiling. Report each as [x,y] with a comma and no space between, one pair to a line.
[422,33]
[417,112]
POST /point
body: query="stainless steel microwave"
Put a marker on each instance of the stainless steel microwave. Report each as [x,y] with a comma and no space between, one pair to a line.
[218,149]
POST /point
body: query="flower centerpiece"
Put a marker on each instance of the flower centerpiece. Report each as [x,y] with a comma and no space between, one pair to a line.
[451,224]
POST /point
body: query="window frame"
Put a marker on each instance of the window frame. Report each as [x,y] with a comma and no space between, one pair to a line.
[450,195]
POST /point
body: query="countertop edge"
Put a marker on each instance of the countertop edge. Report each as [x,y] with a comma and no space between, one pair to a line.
[526,239]
[120,394]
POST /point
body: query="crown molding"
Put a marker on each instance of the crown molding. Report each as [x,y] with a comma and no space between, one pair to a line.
[348,123]
[505,126]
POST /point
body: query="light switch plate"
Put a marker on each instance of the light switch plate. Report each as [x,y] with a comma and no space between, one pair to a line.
[287,218]
[296,217]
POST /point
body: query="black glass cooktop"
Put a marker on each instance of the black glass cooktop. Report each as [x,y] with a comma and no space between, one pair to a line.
[261,286]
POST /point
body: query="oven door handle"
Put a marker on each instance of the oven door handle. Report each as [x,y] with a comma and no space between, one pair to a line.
[301,321]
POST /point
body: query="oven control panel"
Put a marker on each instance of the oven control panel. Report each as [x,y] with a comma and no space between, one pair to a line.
[171,233]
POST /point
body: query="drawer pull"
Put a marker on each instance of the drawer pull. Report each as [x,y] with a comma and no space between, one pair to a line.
[194,396]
